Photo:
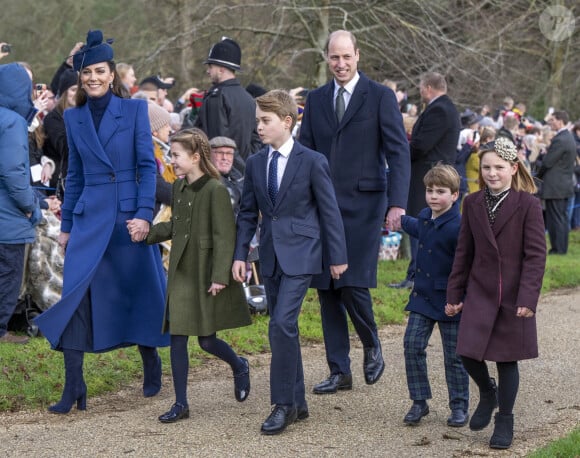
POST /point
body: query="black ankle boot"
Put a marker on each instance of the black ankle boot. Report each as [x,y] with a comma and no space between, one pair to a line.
[503,433]
[151,371]
[75,389]
[487,404]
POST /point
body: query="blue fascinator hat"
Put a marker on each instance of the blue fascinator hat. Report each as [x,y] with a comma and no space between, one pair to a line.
[94,51]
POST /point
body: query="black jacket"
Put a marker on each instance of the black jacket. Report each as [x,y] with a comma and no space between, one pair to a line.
[434,138]
[229,110]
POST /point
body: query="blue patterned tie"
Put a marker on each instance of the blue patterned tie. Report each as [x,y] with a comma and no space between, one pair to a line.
[273,177]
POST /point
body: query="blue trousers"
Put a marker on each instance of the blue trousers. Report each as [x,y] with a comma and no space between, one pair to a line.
[285,294]
[11,270]
[417,334]
[334,305]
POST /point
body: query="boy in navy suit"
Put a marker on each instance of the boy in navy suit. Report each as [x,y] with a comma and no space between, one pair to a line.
[437,230]
[290,186]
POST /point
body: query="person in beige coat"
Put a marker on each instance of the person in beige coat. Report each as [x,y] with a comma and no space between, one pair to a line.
[202,297]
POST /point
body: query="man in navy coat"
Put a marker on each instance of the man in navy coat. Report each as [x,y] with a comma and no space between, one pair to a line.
[357,125]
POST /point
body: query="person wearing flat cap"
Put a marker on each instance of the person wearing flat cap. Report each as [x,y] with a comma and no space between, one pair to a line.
[228,110]
[222,156]
[113,291]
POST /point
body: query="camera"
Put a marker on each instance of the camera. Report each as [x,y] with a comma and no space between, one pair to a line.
[40,87]
[6,48]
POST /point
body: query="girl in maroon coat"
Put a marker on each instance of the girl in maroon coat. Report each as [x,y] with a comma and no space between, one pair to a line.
[496,280]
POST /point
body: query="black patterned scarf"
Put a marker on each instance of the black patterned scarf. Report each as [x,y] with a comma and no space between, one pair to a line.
[493,203]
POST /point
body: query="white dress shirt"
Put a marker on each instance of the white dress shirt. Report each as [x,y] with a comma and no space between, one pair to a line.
[284,151]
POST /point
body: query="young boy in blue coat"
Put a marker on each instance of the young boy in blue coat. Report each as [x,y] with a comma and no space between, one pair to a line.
[290,186]
[437,230]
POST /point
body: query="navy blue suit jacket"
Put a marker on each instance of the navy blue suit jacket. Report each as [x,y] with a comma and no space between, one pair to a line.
[370,135]
[290,231]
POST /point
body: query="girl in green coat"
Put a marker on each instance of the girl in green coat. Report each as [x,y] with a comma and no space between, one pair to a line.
[202,298]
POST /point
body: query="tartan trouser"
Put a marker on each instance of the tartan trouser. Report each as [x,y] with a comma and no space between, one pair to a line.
[417,334]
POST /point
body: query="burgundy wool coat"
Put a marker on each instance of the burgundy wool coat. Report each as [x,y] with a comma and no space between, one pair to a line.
[496,270]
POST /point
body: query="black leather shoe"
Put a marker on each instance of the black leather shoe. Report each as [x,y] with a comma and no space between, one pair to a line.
[458,418]
[302,412]
[177,412]
[279,419]
[242,382]
[408,284]
[334,383]
[416,412]
[373,365]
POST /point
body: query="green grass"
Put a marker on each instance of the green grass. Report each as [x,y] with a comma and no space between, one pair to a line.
[31,376]
[568,447]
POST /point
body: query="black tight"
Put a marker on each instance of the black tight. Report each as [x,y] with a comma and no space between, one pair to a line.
[180,360]
[222,350]
[508,381]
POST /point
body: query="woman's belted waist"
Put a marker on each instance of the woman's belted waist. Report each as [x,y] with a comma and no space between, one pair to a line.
[117,176]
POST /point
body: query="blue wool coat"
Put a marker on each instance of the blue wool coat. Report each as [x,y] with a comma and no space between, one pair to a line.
[111,179]
[435,252]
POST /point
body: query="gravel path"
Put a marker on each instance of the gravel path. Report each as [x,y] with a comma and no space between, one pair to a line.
[366,421]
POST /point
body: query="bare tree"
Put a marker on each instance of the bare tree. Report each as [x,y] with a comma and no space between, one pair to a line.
[486,48]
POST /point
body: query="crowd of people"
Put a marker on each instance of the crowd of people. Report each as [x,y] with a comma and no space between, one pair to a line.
[311,178]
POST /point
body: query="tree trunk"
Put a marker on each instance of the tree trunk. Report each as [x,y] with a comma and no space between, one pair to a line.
[323,32]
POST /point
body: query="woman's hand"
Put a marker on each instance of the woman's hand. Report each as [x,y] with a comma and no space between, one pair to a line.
[53,204]
[524,312]
[215,288]
[138,229]
[63,239]
[46,173]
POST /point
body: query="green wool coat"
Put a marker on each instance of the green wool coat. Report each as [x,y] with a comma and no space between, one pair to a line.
[202,232]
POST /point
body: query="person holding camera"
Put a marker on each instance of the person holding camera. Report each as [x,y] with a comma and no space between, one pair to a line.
[5,49]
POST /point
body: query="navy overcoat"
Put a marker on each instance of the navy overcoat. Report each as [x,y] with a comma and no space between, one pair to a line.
[370,135]
[111,179]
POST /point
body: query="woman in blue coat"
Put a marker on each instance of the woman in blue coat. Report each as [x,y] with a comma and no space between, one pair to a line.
[114,284]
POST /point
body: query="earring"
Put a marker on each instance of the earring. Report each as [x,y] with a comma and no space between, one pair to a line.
[111,85]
